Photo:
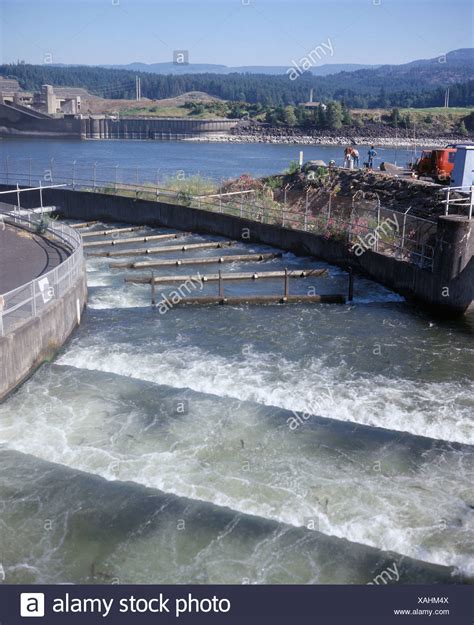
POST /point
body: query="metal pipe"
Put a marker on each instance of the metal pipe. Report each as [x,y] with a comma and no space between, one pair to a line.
[125,241]
[208,260]
[213,277]
[143,251]
[262,299]
[350,296]
[221,285]
[152,281]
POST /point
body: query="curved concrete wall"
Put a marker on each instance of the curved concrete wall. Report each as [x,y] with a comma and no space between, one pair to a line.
[449,288]
[39,338]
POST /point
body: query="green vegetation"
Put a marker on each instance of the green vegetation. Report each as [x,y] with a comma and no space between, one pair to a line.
[367,88]
[332,116]
[154,111]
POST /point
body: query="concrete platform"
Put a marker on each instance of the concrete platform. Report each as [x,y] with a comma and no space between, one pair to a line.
[25,256]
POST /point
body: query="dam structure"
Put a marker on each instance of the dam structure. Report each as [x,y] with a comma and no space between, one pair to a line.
[428,260]
[295,448]
[19,121]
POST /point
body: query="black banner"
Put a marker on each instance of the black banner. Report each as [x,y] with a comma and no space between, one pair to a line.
[238,605]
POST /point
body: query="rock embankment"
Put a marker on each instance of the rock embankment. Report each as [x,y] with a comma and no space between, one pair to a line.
[376,133]
[372,133]
[425,199]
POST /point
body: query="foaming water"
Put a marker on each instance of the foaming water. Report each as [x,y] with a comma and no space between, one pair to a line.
[377,489]
[433,409]
[198,403]
[116,532]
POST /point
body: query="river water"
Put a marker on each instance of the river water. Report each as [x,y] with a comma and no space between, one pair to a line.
[163,448]
[165,159]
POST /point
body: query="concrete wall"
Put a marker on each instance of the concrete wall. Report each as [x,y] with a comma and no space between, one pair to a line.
[37,340]
[17,123]
[152,128]
[448,289]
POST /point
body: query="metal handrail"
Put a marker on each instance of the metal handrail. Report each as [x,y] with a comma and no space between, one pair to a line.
[19,305]
[467,200]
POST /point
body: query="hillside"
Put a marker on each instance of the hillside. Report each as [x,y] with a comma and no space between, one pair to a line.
[421,83]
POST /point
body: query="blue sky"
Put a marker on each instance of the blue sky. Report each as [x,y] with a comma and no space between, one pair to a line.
[231,32]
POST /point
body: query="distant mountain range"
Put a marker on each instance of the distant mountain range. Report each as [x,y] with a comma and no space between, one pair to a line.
[462,59]
[209,68]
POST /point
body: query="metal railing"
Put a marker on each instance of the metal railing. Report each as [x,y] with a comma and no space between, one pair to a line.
[463,198]
[29,300]
[362,225]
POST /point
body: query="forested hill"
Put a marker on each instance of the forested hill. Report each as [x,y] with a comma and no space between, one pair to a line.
[418,84]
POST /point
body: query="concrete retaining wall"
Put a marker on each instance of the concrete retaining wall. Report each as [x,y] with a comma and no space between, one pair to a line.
[16,123]
[449,288]
[20,122]
[152,128]
[37,340]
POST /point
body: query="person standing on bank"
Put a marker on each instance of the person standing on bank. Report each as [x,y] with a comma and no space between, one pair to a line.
[355,156]
[348,157]
[371,154]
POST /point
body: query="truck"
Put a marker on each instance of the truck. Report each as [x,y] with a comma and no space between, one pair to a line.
[436,164]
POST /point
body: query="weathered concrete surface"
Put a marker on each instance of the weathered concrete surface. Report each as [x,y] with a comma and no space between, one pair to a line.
[16,123]
[20,122]
[28,346]
[448,289]
[25,256]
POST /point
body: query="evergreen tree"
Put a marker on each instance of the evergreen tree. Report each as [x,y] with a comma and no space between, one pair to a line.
[321,117]
[395,118]
[289,116]
[334,115]
[462,129]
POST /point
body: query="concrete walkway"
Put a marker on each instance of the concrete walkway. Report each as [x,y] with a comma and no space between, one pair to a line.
[25,256]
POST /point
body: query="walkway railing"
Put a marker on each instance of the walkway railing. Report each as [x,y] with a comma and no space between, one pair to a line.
[463,198]
[29,300]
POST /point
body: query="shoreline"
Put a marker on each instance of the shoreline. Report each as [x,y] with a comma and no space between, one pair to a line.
[328,141]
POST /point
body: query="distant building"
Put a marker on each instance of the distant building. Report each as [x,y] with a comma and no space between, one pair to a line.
[52,101]
[8,86]
[311,104]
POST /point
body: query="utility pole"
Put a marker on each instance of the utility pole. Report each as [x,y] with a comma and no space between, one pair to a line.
[446,98]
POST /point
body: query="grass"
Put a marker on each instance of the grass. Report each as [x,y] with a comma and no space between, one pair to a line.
[166,111]
[440,110]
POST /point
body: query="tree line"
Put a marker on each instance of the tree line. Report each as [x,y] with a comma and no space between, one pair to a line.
[360,89]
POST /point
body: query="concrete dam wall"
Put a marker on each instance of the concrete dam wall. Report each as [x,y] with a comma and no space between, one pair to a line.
[18,121]
[151,128]
[448,288]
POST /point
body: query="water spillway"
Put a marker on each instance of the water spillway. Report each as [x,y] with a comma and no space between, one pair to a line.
[298,444]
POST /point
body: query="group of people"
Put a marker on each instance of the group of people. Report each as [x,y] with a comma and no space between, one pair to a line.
[351,157]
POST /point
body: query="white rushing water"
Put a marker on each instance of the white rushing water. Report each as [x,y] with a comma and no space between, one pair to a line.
[198,403]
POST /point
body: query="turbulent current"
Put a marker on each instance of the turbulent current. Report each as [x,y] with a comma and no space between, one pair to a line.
[246,444]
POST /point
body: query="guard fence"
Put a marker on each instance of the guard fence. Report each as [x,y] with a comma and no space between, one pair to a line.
[360,222]
[29,300]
